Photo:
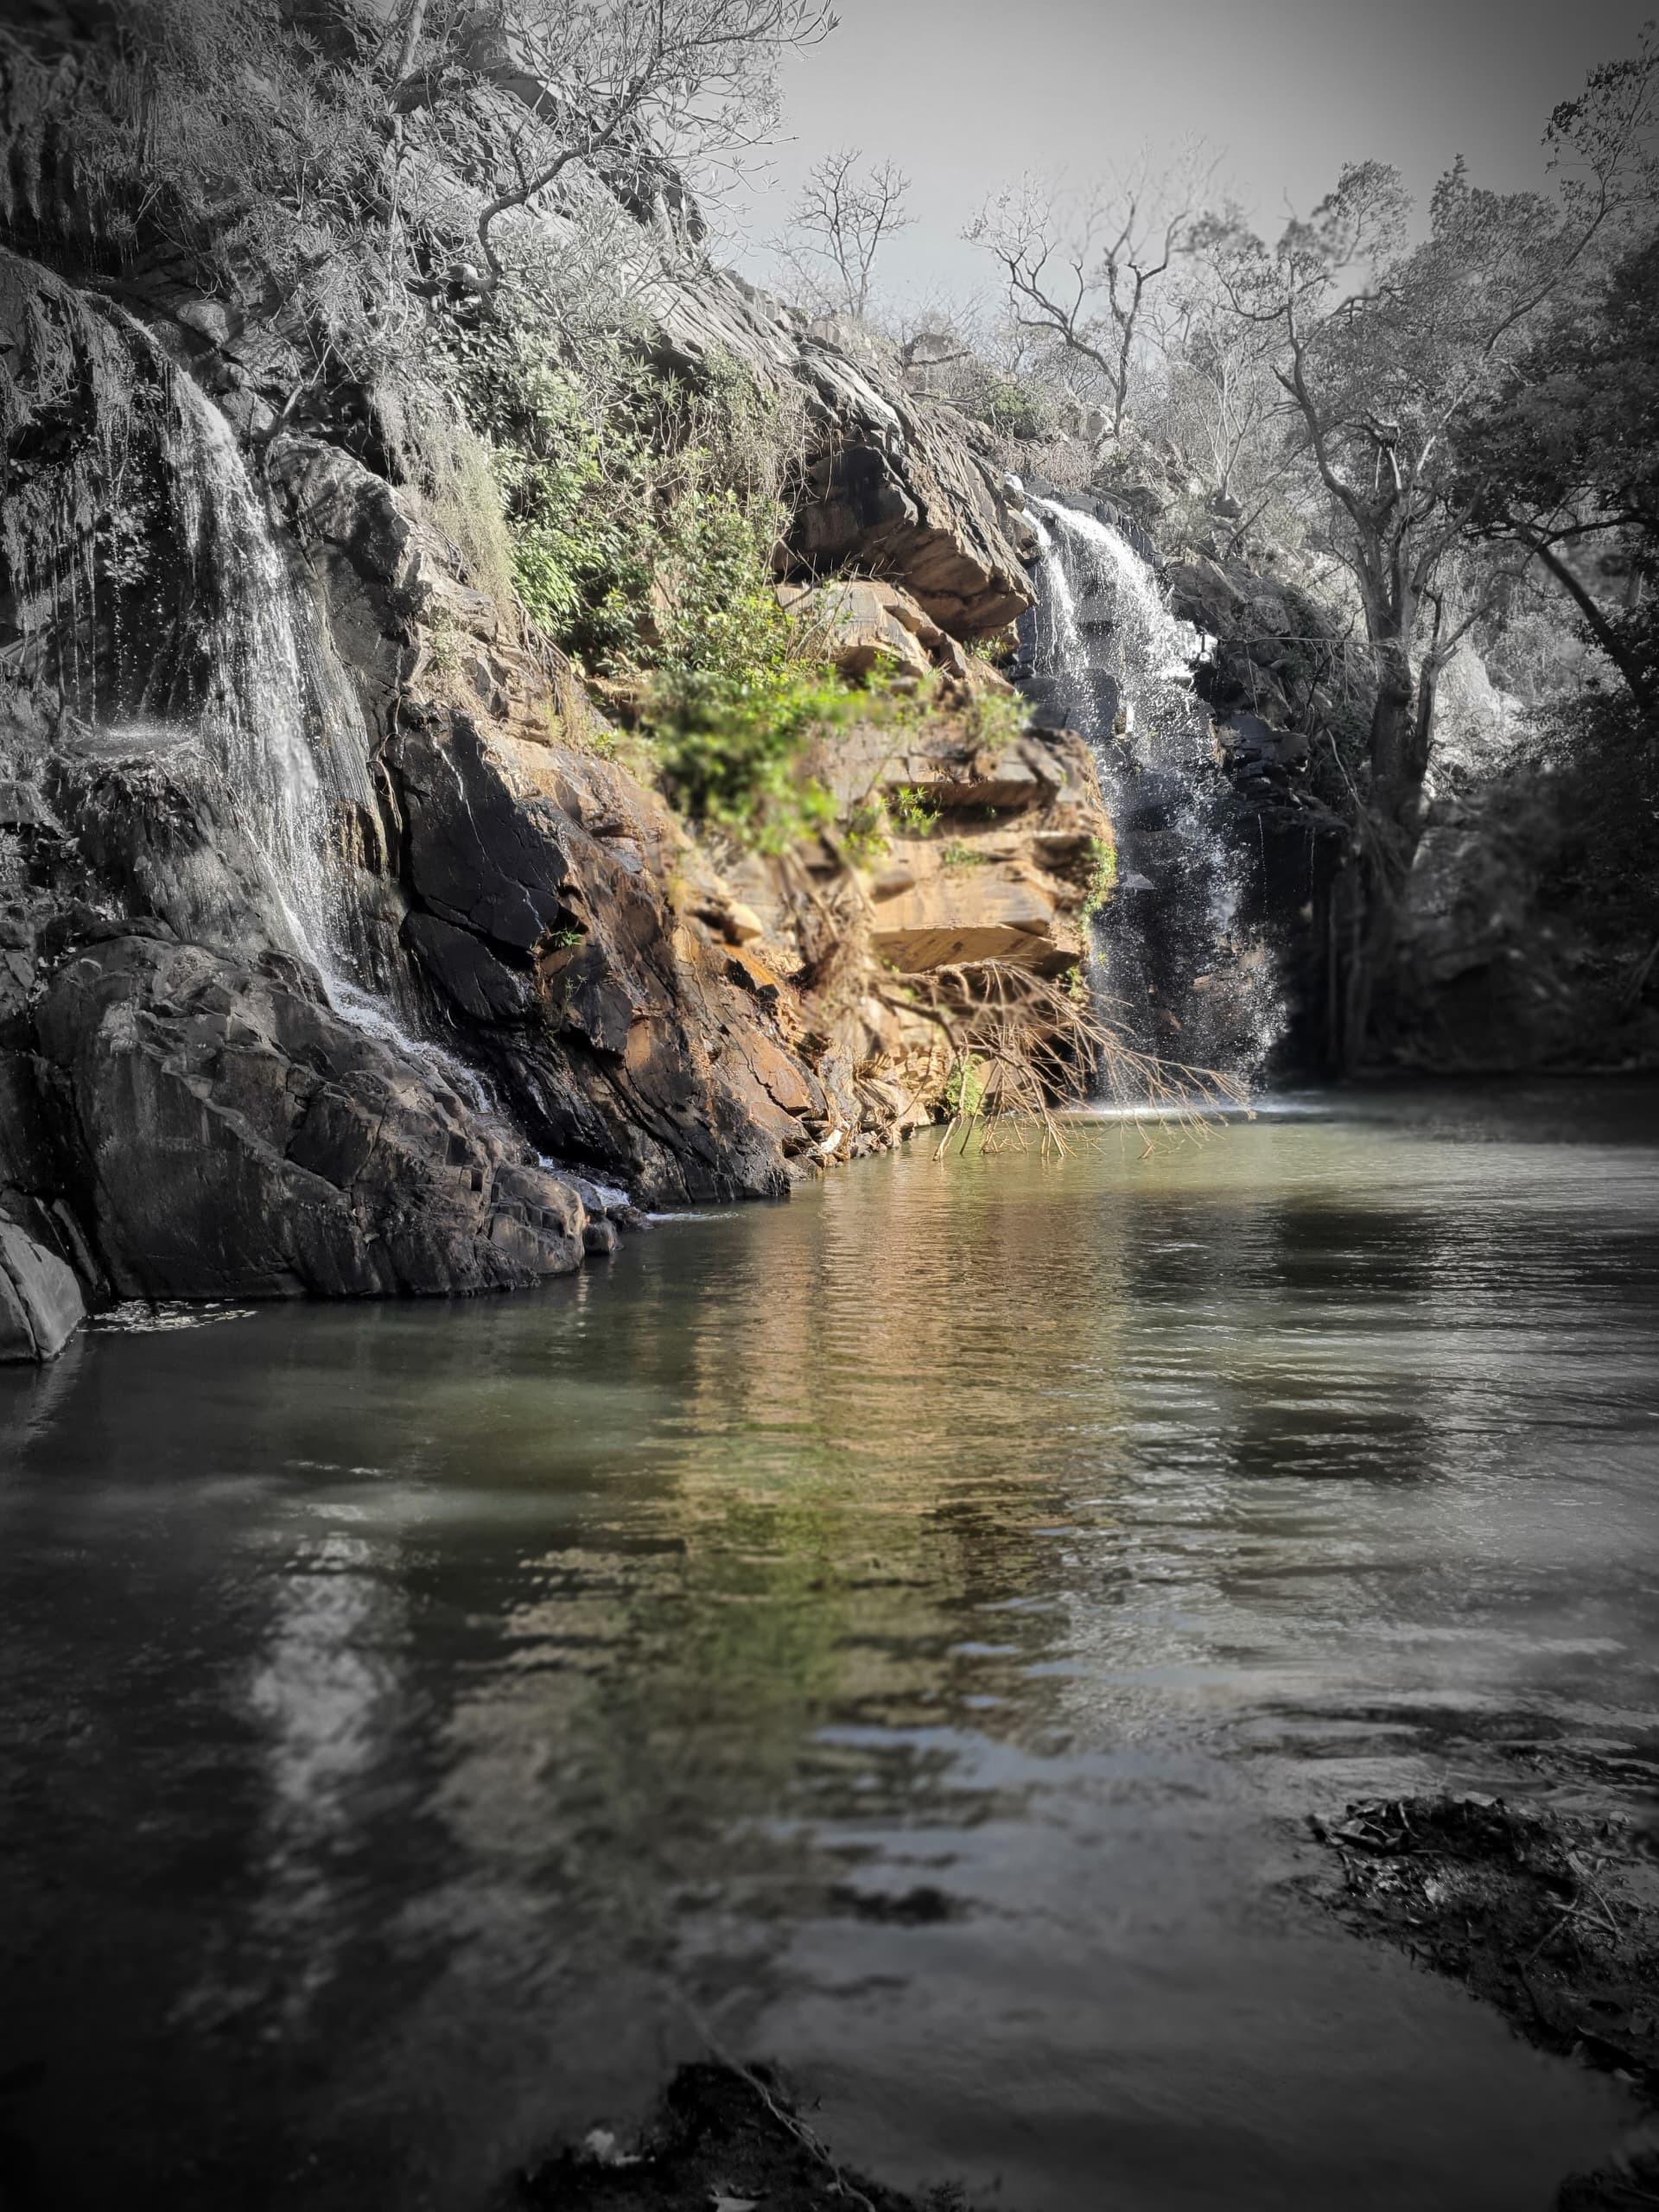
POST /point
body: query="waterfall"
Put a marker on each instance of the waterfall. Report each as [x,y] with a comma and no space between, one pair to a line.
[279,718]
[1180,971]
[252,720]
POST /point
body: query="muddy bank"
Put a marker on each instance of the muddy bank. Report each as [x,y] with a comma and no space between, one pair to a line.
[1552,1916]
[724,2138]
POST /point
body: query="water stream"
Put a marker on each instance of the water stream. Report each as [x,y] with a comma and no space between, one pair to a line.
[910,1626]
[281,721]
[1181,972]
[263,692]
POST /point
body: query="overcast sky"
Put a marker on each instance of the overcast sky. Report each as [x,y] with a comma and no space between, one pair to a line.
[966,94]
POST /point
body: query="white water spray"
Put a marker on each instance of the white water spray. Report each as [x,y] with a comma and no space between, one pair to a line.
[252,722]
[1112,661]
[271,680]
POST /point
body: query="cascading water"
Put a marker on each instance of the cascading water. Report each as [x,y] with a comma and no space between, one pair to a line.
[1182,975]
[279,703]
[252,720]
[261,690]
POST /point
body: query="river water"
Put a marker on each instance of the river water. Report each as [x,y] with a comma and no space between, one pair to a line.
[903,1631]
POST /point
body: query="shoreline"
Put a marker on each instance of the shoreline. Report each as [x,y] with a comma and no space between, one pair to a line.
[1547,1912]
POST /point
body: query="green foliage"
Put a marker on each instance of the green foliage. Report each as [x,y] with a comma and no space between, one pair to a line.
[957,855]
[994,720]
[965,1089]
[1103,876]
[643,512]
[728,707]
[1017,409]
[730,746]
[909,810]
[864,833]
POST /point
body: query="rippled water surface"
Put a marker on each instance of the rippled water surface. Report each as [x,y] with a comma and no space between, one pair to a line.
[902,1630]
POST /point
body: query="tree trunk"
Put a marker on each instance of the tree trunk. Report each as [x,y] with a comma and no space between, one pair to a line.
[1605,632]
[1396,780]
[414,22]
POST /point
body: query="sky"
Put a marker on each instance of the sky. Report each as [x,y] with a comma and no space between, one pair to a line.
[966,95]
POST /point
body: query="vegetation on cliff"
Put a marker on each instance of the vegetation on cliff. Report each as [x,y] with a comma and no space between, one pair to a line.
[1423,440]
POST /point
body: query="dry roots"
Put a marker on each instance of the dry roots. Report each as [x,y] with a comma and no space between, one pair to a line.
[1024,1047]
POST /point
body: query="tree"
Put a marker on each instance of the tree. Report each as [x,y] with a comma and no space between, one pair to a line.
[651,86]
[1564,463]
[1210,398]
[1081,270]
[1564,460]
[1387,351]
[1390,354]
[839,224]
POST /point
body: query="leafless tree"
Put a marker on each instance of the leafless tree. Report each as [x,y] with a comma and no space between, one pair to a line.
[1081,270]
[839,224]
[1211,397]
[651,86]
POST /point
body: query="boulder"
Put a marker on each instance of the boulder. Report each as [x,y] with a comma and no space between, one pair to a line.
[40,1301]
[896,482]
[861,625]
[242,1139]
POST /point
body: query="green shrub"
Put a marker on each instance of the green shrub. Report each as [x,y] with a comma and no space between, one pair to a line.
[965,1089]
[908,810]
[1103,876]
[1019,411]
[644,512]
[864,833]
[730,747]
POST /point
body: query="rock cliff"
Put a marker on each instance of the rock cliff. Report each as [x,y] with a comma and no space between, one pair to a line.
[334,914]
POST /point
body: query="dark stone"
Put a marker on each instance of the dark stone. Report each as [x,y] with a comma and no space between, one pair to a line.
[478,984]
[249,1143]
[41,1302]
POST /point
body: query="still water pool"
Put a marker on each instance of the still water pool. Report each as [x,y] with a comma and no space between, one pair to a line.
[903,1631]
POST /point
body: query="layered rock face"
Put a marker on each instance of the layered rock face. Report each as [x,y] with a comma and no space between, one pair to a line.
[330,918]
[899,484]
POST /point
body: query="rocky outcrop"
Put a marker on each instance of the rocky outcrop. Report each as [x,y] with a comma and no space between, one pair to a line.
[864,627]
[896,484]
[329,916]
[332,909]
[997,849]
[238,1139]
[40,1301]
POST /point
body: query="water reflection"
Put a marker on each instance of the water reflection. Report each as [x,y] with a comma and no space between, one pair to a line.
[405,1707]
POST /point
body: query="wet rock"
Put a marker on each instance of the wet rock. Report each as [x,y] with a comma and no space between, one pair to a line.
[240,1140]
[723,2136]
[40,1301]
